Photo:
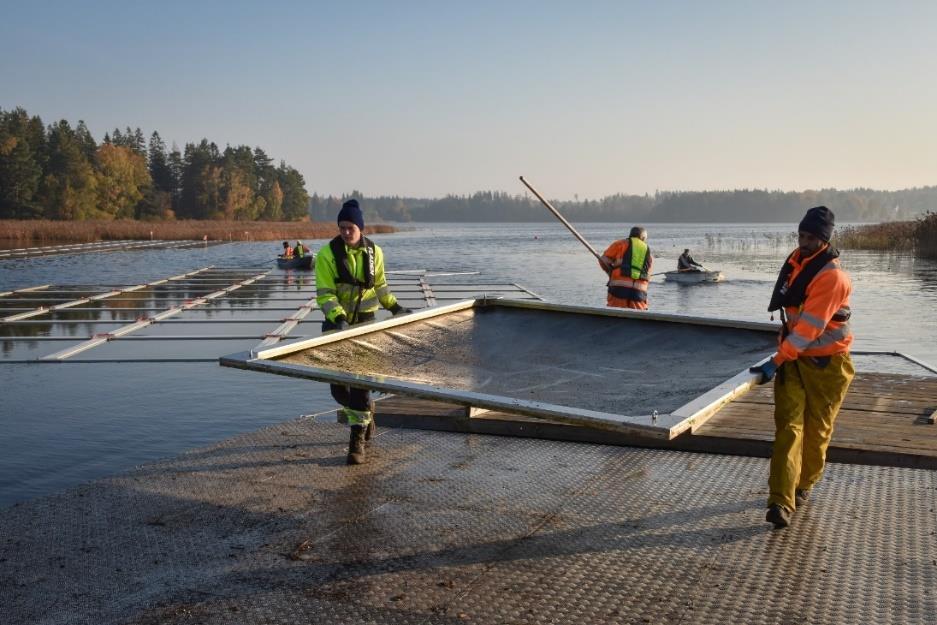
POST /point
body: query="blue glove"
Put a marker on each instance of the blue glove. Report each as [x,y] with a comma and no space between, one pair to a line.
[341,323]
[397,309]
[767,371]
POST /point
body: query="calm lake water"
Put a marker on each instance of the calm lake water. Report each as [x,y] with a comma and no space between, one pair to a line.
[67,423]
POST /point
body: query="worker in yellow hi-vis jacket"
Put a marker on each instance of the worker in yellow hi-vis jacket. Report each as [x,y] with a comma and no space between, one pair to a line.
[350,284]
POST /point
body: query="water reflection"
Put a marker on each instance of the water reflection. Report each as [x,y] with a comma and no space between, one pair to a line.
[926,272]
[109,313]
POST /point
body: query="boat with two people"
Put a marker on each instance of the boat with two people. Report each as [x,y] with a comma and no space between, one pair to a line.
[301,262]
[299,257]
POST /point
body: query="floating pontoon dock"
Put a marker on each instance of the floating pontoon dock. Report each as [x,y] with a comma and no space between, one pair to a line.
[443,528]
[102,246]
[191,317]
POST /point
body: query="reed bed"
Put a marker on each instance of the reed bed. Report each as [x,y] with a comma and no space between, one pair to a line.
[47,231]
[755,240]
[896,236]
[926,236]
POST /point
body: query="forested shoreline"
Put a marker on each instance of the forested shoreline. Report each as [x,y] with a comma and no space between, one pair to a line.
[61,172]
[735,206]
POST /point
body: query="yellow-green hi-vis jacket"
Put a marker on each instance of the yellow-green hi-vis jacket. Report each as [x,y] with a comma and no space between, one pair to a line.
[337,291]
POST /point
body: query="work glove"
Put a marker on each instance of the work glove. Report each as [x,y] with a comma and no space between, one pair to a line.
[341,323]
[767,371]
[397,309]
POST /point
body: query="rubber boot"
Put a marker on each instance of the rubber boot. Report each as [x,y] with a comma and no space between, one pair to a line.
[801,497]
[356,453]
[779,516]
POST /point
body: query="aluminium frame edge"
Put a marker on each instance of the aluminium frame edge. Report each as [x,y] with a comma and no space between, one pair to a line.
[635,424]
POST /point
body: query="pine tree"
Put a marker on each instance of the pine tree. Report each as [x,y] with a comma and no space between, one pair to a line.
[85,140]
[176,167]
[160,172]
[295,198]
[138,144]
[201,196]
[68,188]
[20,165]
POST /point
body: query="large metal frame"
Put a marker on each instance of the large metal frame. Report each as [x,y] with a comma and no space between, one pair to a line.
[686,417]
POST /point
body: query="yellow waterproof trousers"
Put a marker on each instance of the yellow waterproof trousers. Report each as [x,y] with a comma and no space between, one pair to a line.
[807,397]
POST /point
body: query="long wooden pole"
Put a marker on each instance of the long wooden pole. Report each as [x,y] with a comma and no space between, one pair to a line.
[562,219]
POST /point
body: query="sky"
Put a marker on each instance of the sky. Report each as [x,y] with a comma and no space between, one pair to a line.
[584,99]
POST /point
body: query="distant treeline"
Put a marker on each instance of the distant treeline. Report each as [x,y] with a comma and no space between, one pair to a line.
[60,172]
[746,205]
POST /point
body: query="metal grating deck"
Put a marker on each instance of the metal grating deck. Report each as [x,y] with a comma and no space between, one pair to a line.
[448,528]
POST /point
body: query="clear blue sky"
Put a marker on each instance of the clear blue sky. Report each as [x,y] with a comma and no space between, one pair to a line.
[428,98]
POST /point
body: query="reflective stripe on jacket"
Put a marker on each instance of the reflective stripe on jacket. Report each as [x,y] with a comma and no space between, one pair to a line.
[336,298]
[630,279]
[819,326]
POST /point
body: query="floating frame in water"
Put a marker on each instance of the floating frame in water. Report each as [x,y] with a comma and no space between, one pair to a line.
[707,361]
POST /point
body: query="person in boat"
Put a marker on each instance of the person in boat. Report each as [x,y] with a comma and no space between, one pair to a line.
[812,363]
[686,262]
[350,285]
[628,265]
[287,250]
[300,250]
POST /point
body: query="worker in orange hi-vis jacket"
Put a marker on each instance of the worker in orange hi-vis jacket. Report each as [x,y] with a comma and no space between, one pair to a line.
[812,363]
[628,265]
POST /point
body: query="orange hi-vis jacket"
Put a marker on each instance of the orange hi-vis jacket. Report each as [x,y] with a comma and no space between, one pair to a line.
[819,325]
[628,282]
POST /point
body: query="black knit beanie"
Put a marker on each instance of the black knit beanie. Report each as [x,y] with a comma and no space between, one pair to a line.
[818,221]
[352,212]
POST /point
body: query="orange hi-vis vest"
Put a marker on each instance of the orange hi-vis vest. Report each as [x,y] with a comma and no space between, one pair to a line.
[817,325]
[629,280]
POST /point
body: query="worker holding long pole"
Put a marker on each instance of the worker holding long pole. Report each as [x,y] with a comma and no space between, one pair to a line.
[627,262]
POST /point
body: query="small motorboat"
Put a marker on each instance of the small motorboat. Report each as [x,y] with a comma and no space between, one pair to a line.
[304,262]
[694,277]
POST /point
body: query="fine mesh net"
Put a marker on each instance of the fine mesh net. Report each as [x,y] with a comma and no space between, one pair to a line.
[592,362]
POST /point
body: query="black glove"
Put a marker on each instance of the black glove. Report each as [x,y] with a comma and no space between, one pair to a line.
[397,309]
[341,323]
[767,371]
